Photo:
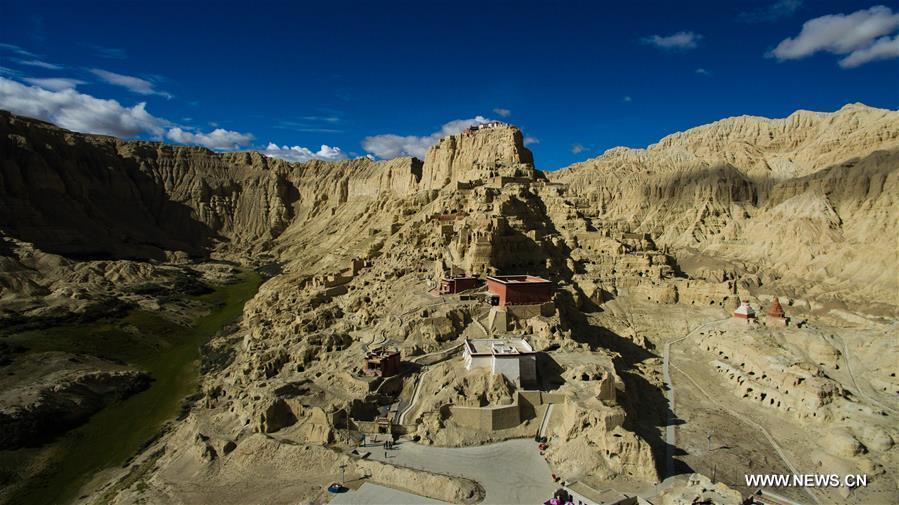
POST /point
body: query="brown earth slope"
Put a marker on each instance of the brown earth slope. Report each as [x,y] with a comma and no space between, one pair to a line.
[808,202]
[805,207]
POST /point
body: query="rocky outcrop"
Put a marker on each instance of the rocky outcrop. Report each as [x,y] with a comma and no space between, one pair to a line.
[96,196]
[476,155]
[591,438]
[801,144]
[697,488]
[73,390]
[732,190]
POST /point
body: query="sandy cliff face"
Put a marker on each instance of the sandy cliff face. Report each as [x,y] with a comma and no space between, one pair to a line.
[732,189]
[807,199]
[96,196]
[805,205]
[801,144]
[476,155]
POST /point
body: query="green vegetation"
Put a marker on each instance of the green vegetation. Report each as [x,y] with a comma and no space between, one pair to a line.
[169,352]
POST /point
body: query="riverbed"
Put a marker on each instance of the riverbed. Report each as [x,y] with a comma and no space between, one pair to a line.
[167,351]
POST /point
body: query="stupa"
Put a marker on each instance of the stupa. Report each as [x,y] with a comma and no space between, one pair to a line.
[745,311]
[776,313]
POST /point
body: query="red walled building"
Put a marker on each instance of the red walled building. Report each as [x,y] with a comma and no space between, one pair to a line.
[382,362]
[454,285]
[519,289]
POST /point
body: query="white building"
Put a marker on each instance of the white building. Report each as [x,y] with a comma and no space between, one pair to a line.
[512,357]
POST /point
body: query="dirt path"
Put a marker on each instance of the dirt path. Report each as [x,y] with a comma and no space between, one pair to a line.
[545,423]
[861,392]
[670,432]
[750,422]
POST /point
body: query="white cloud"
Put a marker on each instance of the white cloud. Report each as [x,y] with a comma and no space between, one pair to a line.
[41,64]
[310,127]
[529,140]
[129,82]
[679,40]
[627,99]
[702,71]
[77,111]
[216,139]
[578,148]
[882,49]
[18,50]
[326,119]
[392,146]
[502,112]
[773,12]
[297,153]
[56,100]
[54,83]
[859,35]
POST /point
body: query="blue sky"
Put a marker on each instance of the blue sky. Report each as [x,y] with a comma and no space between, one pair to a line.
[383,78]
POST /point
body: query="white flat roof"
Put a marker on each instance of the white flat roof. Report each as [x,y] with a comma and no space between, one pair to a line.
[517,279]
[499,346]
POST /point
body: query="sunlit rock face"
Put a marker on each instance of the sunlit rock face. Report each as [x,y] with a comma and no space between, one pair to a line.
[803,207]
[805,200]
[477,155]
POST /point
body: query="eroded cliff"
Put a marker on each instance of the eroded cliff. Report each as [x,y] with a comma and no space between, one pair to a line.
[806,202]
[804,206]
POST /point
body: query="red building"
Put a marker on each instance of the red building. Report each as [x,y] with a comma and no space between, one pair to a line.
[452,285]
[382,362]
[519,289]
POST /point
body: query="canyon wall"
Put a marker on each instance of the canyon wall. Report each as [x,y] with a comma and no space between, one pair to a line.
[97,196]
[471,156]
[809,200]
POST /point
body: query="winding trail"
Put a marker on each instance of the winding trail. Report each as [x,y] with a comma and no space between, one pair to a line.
[670,433]
[401,415]
[670,436]
[480,325]
[752,423]
[404,409]
[858,388]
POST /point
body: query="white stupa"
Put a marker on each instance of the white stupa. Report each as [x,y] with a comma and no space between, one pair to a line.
[744,311]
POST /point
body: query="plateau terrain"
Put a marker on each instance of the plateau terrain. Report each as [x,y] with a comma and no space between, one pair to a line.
[180,325]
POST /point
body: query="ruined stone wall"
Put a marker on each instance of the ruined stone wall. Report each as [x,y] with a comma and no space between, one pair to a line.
[487,418]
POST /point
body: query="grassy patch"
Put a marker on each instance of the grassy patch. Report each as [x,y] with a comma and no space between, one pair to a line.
[169,352]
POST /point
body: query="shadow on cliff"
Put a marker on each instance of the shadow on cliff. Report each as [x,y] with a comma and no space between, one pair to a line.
[83,200]
[647,416]
[647,408]
[519,253]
